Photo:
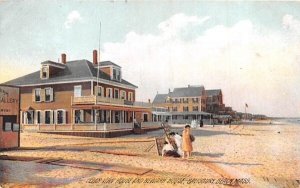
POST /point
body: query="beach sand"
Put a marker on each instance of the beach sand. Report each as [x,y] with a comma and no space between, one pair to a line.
[265,154]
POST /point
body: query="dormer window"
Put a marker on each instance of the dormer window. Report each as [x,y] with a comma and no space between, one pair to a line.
[45,72]
[116,74]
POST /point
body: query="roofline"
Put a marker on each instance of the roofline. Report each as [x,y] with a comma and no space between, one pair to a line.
[87,80]
[6,85]
[54,64]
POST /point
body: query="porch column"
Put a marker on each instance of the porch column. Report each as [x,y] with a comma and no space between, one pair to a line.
[123,116]
[109,116]
[95,118]
[72,119]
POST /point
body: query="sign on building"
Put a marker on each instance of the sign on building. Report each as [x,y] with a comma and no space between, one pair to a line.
[9,117]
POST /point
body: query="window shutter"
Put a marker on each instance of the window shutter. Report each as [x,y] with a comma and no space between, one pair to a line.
[42,117]
[81,115]
[25,118]
[35,117]
[64,116]
[51,116]
[43,95]
[33,95]
[51,94]
[54,116]
[95,91]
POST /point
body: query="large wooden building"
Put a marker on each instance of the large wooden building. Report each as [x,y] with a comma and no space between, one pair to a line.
[184,104]
[73,94]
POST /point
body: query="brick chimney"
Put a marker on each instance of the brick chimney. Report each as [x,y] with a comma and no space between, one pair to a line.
[64,58]
[95,58]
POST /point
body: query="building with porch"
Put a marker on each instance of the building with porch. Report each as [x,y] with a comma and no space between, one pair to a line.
[184,104]
[78,95]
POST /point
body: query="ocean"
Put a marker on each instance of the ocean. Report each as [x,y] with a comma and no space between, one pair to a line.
[288,120]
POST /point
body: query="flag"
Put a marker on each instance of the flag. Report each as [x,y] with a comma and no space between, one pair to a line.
[246,105]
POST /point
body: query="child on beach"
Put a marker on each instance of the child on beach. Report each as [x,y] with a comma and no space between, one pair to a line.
[187,142]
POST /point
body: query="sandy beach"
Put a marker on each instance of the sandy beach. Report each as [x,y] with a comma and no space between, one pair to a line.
[260,153]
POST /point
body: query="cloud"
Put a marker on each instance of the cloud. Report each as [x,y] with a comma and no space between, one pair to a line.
[259,68]
[72,18]
[178,22]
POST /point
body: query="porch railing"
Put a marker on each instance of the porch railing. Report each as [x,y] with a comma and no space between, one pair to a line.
[92,99]
[84,100]
[110,100]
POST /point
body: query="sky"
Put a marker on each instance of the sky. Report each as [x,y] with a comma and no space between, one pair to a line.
[250,50]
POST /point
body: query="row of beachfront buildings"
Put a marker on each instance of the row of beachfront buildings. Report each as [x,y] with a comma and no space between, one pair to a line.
[81,93]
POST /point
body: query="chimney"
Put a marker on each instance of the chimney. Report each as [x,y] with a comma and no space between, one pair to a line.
[64,58]
[169,90]
[95,58]
[149,101]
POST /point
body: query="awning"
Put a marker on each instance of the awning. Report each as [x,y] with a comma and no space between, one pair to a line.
[189,113]
[111,107]
[161,113]
[222,116]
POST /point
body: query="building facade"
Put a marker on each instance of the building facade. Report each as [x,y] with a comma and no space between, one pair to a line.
[184,104]
[214,103]
[73,94]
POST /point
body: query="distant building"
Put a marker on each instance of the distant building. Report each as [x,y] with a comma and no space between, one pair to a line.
[72,93]
[184,104]
[214,102]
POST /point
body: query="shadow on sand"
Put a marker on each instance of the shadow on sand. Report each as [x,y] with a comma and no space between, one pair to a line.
[203,132]
[208,154]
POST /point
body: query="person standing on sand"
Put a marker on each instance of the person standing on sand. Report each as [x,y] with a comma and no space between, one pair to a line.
[187,142]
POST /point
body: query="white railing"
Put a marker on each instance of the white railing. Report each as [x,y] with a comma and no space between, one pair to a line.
[110,100]
[151,124]
[114,126]
[84,100]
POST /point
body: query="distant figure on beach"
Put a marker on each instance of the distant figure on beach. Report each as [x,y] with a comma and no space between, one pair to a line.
[187,142]
[169,151]
[201,123]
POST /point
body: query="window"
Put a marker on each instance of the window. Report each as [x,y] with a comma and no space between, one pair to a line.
[117,74]
[29,117]
[145,117]
[37,117]
[77,91]
[7,126]
[185,100]
[99,91]
[130,96]
[185,108]
[195,108]
[195,100]
[60,116]
[16,127]
[48,117]
[37,95]
[116,94]
[174,109]
[123,94]
[109,92]
[48,94]
[114,74]
[44,72]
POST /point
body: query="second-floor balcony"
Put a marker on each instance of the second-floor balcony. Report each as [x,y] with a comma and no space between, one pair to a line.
[92,99]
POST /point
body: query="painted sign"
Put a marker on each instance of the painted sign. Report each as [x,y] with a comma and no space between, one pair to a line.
[9,100]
